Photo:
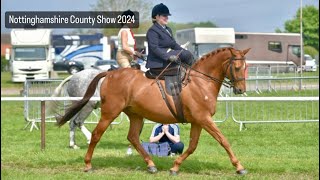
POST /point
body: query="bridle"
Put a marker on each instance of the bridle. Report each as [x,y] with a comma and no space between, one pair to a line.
[233,78]
[224,82]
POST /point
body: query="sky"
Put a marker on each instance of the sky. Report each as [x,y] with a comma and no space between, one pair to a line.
[242,15]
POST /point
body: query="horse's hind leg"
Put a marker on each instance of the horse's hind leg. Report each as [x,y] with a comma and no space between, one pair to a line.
[108,114]
[86,132]
[78,121]
[194,138]
[72,142]
[84,114]
[213,130]
[136,123]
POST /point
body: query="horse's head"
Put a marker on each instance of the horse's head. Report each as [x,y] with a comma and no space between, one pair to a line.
[235,70]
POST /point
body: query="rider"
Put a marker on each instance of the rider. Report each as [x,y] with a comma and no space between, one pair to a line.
[162,46]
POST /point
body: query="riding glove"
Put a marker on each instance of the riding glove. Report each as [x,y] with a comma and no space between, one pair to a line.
[173,58]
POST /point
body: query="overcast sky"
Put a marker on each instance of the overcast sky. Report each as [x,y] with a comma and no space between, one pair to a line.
[243,15]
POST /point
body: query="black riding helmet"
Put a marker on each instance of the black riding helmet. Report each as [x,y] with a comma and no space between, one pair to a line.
[160,9]
[128,12]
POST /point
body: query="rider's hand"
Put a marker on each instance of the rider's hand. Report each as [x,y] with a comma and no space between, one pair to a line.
[173,58]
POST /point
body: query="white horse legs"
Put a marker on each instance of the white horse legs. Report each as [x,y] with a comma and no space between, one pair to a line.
[72,143]
[86,132]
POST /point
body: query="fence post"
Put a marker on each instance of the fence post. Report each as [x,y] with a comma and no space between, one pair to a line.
[269,81]
[43,125]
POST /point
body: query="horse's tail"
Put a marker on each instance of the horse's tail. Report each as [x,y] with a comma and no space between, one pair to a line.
[78,105]
[51,106]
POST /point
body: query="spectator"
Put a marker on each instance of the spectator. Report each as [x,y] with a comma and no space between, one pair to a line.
[127,44]
[168,133]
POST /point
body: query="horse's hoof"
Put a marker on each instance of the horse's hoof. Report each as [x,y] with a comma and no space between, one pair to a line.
[88,170]
[152,169]
[242,172]
[74,147]
[173,173]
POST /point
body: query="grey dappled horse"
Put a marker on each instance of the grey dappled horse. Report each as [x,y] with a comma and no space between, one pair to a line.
[77,85]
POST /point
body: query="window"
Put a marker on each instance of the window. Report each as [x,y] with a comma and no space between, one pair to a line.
[275,46]
[240,36]
[296,50]
[30,53]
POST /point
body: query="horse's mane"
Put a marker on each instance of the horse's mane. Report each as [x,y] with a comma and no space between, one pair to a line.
[212,53]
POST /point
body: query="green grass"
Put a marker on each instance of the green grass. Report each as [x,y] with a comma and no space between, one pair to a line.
[268,151]
[284,111]
[7,83]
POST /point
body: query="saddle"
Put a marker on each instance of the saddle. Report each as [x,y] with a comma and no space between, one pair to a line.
[173,77]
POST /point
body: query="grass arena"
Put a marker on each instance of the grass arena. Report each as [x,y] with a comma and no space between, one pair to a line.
[268,151]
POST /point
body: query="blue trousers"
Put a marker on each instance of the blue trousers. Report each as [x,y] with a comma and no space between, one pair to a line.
[185,56]
[177,147]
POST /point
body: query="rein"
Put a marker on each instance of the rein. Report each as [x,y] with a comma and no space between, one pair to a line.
[157,78]
[224,82]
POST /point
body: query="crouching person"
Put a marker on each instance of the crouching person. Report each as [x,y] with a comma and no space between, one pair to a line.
[169,133]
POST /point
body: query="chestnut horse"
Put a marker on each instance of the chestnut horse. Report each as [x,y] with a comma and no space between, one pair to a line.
[128,90]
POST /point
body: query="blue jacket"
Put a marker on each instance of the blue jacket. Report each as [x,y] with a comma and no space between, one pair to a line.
[173,130]
[159,41]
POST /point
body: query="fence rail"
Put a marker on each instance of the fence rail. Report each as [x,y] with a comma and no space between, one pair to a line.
[45,88]
[227,99]
[219,98]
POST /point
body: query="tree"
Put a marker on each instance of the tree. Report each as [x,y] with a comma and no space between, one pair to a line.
[144,8]
[310,25]
[177,26]
[84,31]
[311,51]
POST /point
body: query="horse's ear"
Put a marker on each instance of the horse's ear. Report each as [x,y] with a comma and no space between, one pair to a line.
[246,51]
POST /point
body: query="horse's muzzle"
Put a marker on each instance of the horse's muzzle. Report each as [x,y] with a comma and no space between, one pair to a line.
[238,90]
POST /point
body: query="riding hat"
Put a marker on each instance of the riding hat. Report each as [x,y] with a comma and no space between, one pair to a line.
[160,9]
[128,12]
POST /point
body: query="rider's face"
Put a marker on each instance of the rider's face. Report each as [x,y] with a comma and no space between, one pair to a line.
[162,19]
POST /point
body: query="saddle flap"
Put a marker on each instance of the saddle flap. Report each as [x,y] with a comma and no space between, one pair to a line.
[173,85]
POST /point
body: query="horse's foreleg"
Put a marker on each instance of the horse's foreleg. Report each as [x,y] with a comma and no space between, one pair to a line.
[213,130]
[136,123]
[194,138]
